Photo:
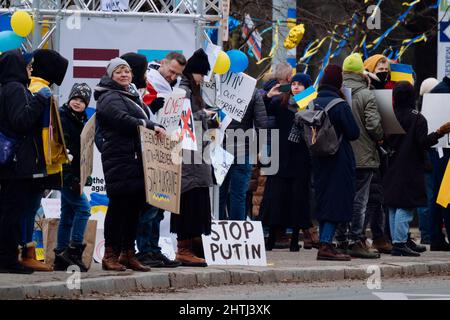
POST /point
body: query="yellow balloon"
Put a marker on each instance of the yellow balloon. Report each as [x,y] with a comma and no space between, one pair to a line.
[21,23]
[222,63]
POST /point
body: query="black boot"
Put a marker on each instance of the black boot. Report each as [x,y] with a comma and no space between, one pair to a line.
[270,244]
[294,246]
[413,246]
[73,255]
[401,249]
[59,264]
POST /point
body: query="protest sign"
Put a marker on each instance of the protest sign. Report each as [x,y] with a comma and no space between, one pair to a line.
[235,243]
[436,109]
[385,107]
[186,128]
[162,176]
[169,115]
[212,51]
[87,151]
[221,161]
[443,198]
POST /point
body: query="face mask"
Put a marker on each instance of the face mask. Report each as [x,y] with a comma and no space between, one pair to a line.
[383,76]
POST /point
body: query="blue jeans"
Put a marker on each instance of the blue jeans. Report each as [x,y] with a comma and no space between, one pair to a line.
[236,184]
[355,230]
[29,216]
[148,230]
[326,232]
[75,213]
[399,220]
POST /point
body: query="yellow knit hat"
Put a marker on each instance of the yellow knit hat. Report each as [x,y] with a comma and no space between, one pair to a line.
[371,63]
[353,63]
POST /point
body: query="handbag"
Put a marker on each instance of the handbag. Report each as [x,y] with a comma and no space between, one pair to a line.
[7,149]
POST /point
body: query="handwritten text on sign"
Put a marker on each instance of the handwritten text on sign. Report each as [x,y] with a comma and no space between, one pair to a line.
[162,176]
[169,115]
[87,151]
[235,243]
[236,91]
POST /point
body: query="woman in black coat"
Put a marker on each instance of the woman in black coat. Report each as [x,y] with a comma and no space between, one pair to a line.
[119,114]
[404,181]
[334,175]
[286,196]
[21,179]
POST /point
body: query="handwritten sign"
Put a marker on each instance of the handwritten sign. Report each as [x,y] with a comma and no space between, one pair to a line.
[221,161]
[236,91]
[436,110]
[87,151]
[162,176]
[186,128]
[235,243]
[169,115]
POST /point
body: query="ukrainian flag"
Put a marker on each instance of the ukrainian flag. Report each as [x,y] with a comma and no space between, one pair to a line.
[305,97]
[402,72]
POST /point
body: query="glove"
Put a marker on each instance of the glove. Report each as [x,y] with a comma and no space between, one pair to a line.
[157,104]
[45,92]
[444,129]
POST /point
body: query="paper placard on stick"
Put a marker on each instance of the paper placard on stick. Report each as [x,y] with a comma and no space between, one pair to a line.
[186,128]
[51,207]
[87,150]
[221,161]
[209,93]
[212,51]
[169,115]
[385,107]
[162,176]
[436,109]
[235,243]
[236,93]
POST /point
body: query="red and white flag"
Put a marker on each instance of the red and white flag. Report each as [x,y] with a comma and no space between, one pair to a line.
[91,63]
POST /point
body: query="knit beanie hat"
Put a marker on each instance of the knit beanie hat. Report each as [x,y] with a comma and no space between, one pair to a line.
[138,63]
[353,63]
[198,63]
[49,65]
[114,64]
[428,85]
[371,63]
[332,76]
[303,78]
[82,91]
[403,95]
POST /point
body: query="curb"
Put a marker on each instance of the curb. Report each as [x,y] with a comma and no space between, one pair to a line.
[192,278]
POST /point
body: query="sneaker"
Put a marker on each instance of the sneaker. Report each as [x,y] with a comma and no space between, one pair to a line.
[147,260]
[413,246]
[16,268]
[359,250]
[166,262]
[401,249]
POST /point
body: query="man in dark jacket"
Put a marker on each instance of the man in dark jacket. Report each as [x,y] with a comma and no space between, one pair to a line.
[438,213]
[20,118]
[236,182]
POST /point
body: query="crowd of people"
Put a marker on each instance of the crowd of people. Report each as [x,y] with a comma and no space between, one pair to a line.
[356,185]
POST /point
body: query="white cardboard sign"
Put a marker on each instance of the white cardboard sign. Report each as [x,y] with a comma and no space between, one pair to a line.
[221,161]
[235,243]
[385,107]
[169,115]
[436,109]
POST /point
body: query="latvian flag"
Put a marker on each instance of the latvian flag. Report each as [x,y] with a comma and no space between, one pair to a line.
[91,63]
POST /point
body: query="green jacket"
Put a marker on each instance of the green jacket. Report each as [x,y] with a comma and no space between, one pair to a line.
[365,111]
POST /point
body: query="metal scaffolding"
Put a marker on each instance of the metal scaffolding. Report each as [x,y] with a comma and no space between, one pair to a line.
[48,13]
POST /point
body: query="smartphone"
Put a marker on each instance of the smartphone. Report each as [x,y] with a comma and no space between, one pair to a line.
[285,88]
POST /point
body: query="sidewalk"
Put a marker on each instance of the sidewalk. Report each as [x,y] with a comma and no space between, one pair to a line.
[283,266]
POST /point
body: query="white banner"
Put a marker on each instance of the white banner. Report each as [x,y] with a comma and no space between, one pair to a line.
[235,243]
[115,5]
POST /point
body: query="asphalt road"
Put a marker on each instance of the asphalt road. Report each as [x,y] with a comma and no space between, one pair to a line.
[434,288]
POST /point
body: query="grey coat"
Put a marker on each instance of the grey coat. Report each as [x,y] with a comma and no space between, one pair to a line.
[365,112]
[195,172]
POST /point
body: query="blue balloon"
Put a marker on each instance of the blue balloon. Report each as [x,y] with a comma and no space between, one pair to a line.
[239,61]
[9,40]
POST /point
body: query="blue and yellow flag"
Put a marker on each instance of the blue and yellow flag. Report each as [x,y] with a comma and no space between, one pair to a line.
[305,97]
[402,72]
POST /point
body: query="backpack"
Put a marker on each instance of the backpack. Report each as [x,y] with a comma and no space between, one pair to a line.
[318,131]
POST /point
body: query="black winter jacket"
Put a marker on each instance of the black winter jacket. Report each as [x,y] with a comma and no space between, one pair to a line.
[72,124]
[20,118]
[119,114]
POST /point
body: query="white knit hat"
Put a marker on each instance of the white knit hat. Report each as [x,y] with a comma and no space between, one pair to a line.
[114,64]
[428,85]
